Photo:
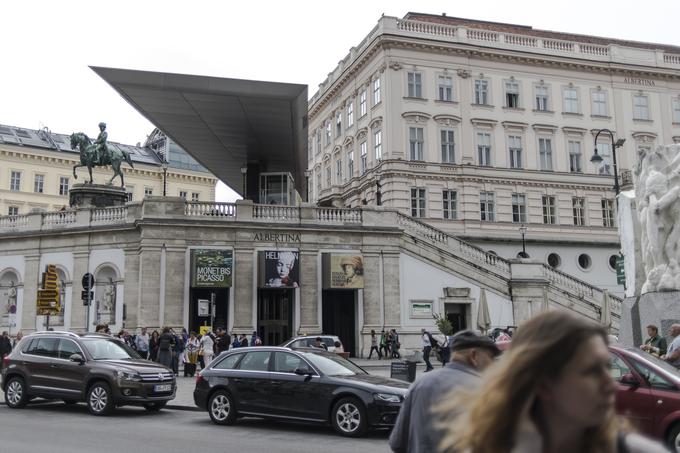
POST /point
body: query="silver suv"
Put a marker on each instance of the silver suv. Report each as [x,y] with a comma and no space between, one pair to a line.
[98,369]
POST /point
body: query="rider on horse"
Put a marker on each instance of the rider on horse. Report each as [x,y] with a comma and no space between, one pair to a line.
[101,148]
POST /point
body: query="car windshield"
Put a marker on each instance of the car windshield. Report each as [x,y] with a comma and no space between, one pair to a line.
[656,361]
[108,349]
[333,364]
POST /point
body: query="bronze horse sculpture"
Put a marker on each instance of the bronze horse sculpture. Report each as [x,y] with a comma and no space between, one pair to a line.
[91,157]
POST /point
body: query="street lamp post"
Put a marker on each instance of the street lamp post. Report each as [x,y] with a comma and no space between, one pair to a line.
[523,232]
[164,166]
[244,172]
[596,159]
[307,175]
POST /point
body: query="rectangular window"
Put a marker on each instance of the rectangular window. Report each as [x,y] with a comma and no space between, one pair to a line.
[574,156]
[512,95]
[13,210]
[15,181]
[183,194]
[362,103]
[416,142]
[63,185]
[444,88]
[542,98]
[39,184]
[515,148]
[148,191]
[350,164]
[450,204]
[194,196]
[130,192]
[578,206]
[448,146]
[328,133]
[570,100]
[487,206]
[415,85]
[519,208]
[549,216]
[607,213]
[350,114]
[338,124]
[377,145]
[640,107]
[418,202]
[364,157]
[599,103]
[338,170]
[676,110]
[376,91]
[604,150]
[545,153]
[484,149]
[481,92]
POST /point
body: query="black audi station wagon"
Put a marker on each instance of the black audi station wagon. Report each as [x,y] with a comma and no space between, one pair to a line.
[305,385]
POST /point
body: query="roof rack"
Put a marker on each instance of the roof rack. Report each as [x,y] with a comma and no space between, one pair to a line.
[53,332]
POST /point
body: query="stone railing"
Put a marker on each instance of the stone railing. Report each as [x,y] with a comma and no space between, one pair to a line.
[13,222]
[205,208]
[416,26]
[338,215]
[482,35]
[566,281]
[109,215]
[276,213]
[671,59]
[59,218]
[518,40]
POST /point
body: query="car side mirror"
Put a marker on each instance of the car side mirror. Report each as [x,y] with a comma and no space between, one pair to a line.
[303,371]
[77,358]
[629,379]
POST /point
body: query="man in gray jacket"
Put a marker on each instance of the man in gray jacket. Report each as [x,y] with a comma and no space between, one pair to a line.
[416,429]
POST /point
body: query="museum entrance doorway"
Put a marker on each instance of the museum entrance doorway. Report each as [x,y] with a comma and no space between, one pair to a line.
[200,308]
[457,316]
[275,315]
[339,316]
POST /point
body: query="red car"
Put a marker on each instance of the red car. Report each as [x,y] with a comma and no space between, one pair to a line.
[648,393]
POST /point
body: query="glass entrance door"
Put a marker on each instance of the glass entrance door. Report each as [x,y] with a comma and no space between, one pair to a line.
[274,315]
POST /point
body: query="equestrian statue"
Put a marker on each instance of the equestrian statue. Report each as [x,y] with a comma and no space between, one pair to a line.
[99,154]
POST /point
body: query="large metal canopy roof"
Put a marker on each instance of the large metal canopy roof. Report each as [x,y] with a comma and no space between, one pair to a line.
[223,123]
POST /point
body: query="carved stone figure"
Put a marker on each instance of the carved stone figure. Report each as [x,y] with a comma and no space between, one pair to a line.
[12,298]
[99,154]
[657,189]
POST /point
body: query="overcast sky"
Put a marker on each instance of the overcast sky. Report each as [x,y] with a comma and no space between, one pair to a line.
[48,45]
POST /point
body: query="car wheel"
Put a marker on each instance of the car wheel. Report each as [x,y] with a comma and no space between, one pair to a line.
[673,438]
[348,417]
[15,393]
[100,399]
[70,402]
[155,407]
[221,408]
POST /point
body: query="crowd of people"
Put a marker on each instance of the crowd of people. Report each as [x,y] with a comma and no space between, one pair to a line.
[386,345]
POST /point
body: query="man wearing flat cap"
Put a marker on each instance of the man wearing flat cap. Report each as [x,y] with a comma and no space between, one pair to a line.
[416,429]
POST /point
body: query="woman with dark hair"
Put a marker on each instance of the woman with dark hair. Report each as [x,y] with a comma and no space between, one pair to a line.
[166,345]
[153,346]
[551,392]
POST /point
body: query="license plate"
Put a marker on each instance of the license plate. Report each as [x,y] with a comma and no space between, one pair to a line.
[162,388]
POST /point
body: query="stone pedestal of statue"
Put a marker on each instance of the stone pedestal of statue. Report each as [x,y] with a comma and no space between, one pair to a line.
[660,309]
[96,196]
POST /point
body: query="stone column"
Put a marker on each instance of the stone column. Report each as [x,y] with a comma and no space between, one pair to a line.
[78,310]
[309,291]
[243,291]
[372,293]
[392,289]
[529,289]
[132,289]
[149,286]
[32,280]
[174,286]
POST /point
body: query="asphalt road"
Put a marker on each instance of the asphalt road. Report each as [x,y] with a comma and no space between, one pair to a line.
[56,428]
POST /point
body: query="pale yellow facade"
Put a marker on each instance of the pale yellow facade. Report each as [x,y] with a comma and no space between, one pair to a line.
[42,173]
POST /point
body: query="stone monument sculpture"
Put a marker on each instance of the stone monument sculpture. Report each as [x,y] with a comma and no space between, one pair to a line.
[657,198]
[99,154]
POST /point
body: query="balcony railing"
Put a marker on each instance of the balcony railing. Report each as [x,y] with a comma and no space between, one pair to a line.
[203,208]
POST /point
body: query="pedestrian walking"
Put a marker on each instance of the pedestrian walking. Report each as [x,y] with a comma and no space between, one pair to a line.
[374,346]
[427,340]
[153,346]
[177,352]
[384,344]
[395,344]
[190,356]
[551,392]
[255,340]
[243,340]
[222,341]
[142,344]
[17,338]
[672,356]
[655,344]
[5,346]
[207,348]
[166,345]
[416,429]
